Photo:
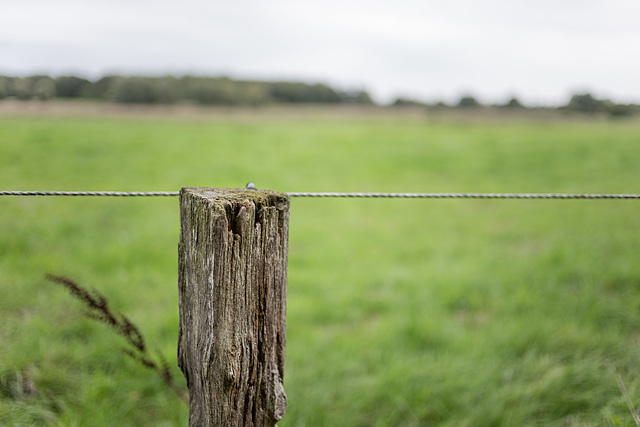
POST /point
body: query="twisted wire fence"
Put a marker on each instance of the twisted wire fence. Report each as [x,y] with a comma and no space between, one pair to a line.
[344,195]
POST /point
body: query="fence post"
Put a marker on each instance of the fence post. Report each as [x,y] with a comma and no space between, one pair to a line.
[232,280]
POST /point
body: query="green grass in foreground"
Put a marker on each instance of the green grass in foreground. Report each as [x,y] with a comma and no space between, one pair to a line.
[400,312]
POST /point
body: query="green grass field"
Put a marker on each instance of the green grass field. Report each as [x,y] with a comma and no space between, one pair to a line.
[400,312]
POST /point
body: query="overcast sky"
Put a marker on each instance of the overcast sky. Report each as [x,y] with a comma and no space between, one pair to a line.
[539,51]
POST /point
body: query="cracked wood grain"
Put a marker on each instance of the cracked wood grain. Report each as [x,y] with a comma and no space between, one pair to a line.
[232,279]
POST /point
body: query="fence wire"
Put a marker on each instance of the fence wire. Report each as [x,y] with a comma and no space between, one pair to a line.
[471,195]
[91,193]
[344,195]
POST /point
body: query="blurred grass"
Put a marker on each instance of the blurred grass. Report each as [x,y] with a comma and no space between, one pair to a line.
[400,312]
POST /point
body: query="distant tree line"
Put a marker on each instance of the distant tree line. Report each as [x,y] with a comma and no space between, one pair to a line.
[582,103]
[231,92]
[586,103]
[169,89]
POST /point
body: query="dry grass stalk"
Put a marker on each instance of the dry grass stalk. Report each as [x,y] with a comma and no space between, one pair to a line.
[99,310]
[625,393]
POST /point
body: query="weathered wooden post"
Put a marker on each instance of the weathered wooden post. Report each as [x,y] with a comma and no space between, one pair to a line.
[232,280]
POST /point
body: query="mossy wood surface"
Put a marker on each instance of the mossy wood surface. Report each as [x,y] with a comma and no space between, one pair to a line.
[232,287]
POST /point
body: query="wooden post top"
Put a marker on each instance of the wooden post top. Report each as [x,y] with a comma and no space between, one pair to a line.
[259,197]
